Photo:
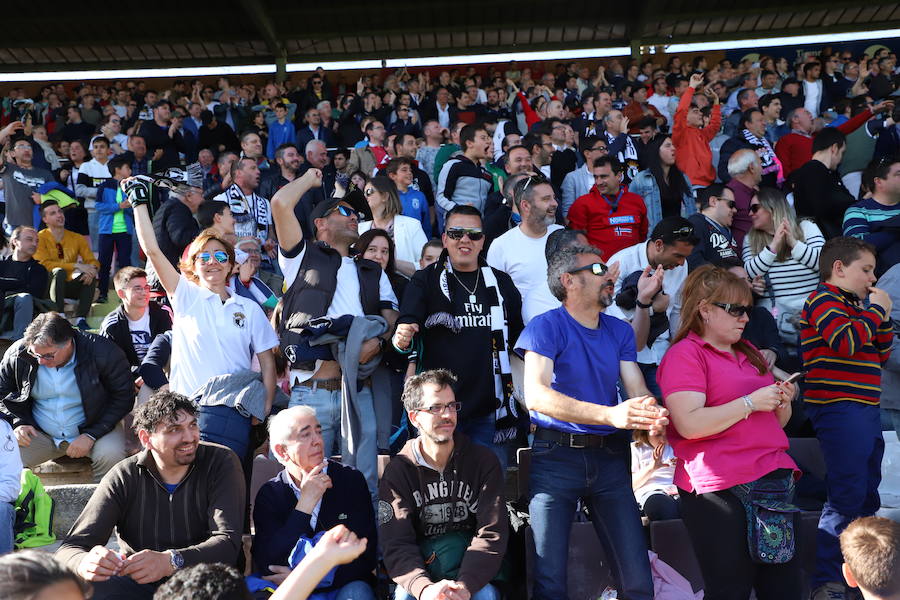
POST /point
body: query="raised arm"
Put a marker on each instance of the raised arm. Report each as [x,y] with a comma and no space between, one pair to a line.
[287,227]
[138,190]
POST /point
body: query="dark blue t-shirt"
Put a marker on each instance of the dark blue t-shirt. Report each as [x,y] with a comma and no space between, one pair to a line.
[585,361]
[171,487]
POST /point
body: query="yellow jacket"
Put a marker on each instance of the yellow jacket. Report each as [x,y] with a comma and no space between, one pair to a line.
[73,247]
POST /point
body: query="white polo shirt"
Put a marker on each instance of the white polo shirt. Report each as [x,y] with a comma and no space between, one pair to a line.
[211,337]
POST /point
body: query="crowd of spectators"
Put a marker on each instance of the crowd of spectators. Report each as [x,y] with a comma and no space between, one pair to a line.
[650,274]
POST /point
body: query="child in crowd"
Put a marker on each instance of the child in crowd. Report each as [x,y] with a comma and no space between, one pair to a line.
[115,222]
[400,171]
[653,475]
[845,337]
[431,251]
[871,550]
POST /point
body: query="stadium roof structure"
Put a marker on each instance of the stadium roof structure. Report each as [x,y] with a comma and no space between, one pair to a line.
[94,34]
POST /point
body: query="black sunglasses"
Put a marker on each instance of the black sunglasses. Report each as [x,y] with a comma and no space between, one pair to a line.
[596,268]
[754,208]
[735,310]
[457,233]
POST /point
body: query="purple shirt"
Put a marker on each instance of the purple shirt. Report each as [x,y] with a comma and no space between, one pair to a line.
[742,223]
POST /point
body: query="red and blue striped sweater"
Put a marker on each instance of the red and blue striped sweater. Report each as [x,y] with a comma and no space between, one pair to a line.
[844,346]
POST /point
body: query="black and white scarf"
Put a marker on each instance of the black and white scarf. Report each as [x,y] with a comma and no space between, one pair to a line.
[246,210]
[764,150]
[506,410]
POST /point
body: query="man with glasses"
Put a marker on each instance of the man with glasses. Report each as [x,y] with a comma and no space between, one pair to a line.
[321,280]
[574,357]
[21,180]
[65,393]
[671,243]
[134,324]
[373,155]
[68,258]
[464,316]
[441,496]
[713,226]
[580,181]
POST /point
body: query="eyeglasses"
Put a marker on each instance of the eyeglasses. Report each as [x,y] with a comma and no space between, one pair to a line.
[49,355]
[438,409]
[369,191]
[317,82]
[457,233]
[345,211]
[600,149]
[735,310]
[596,268]
[220,256]
[733,204]
[140,288]
[754,208]
[683,232]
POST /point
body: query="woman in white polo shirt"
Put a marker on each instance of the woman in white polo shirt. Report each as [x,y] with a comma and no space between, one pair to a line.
[214,332]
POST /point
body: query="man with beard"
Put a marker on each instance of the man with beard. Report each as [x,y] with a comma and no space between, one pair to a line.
[520,251]
[438,471]
[252,214]
[178,503]
[574,357]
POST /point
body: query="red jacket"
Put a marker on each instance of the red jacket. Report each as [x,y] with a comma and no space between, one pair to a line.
[610,231]
[694,156]
[795,149]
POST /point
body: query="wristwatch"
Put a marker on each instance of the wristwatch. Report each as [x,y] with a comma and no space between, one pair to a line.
[177,559]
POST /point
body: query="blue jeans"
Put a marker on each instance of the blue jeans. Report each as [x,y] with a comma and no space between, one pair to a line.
[355,590]
[121,242]
[123,588]
[225,425]
[327,405]
[481,431]
[560,476]
[891,416]
[7,527]
[852,445]
[488,592]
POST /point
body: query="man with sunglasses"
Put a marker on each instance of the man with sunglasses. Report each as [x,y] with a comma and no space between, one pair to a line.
[713,226]
[322,280]
[65,393]
[574,357]
[21,180]
[441,496]
[464,316]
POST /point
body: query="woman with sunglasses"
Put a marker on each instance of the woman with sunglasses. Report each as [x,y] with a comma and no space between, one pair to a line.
[726,417]
[215,331]
[665,189]
[407,233]
[786,253]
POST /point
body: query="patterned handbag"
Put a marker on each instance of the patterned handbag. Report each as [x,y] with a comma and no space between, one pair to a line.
[771,537]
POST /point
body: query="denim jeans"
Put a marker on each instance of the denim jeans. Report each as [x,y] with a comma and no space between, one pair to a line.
[327,405]
[225,425]
[355,590]
[488,592]
[560,476]
[109,242]
[481,431]
[7,524]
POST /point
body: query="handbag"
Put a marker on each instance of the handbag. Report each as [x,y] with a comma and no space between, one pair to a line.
[771,536]
[787,321]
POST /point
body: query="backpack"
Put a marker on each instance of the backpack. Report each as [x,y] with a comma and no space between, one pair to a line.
[34,514]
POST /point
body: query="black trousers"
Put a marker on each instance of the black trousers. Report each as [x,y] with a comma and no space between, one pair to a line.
[717,524]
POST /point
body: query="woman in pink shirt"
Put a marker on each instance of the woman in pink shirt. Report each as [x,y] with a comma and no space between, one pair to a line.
[726,419]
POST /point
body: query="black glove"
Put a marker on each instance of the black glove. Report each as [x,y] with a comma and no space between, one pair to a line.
[138,190]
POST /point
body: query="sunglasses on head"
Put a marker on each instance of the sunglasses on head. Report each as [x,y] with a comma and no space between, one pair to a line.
[754,208]
[596,268]
[220,256]
[457,233]
[735,310]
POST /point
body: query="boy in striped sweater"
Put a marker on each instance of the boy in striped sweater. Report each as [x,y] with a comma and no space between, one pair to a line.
[845,338]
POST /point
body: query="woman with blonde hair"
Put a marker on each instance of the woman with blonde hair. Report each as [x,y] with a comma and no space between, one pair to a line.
[407,233]
[726,418]
[214,332]
[785,252]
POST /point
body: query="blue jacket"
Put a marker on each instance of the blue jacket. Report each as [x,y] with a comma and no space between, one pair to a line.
[108,197]
[279,525]
[280,134]
[645,186]
[416,206]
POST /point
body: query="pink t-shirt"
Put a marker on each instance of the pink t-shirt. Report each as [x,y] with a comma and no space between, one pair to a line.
[745,451]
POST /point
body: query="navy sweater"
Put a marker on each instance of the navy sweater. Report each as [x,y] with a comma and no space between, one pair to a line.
[279,525]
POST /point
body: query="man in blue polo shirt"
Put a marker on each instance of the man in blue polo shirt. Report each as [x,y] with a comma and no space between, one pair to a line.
[574,356]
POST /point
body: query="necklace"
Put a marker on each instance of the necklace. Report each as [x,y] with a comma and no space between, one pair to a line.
[472,298]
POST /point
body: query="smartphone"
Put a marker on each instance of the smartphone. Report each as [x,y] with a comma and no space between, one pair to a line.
[796,376]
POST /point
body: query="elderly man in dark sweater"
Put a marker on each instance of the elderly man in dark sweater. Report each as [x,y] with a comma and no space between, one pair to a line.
[311,495]
[178,503]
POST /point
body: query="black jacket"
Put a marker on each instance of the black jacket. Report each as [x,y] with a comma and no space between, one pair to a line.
[175,227]
[820,194]
[104,381]
[17,277]
[279,525]
[115,327]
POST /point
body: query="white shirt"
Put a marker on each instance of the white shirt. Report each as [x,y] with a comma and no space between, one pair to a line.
[409,238]
[443,115]
[346,299]
[662,480]
[538,301]
[812,92]
[634,258]
[662,105]
[212,338]
[314,515]
[10,464]
[140,334]
[521,257]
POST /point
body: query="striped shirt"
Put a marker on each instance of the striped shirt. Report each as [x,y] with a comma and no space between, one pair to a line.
[868,220]
[792,280]
[844,346]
